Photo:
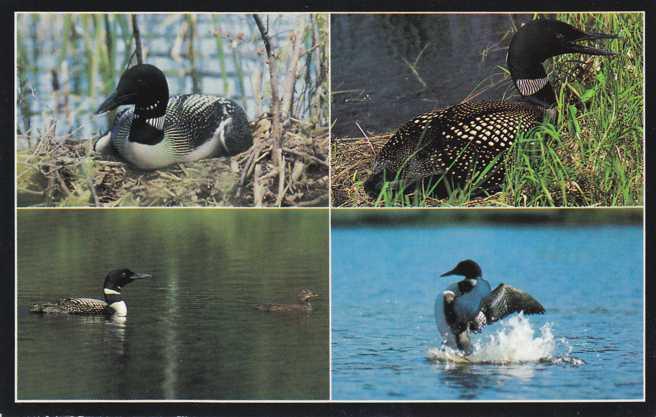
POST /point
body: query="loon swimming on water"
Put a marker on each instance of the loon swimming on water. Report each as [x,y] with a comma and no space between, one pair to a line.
[161,130]
[470,305]
[113,304]
[452,147]
[304,296]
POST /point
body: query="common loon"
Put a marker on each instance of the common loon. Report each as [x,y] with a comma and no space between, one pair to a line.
[470,305]
[304,296]
[113,304]
[450,147]
[161,130]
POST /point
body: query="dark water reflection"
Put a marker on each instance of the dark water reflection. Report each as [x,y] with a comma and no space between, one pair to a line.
[191,331]
[386,69]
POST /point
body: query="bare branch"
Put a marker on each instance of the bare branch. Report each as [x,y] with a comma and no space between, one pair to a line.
[276,127]
[137,39]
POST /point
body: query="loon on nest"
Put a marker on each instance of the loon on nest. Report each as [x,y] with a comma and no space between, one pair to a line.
[113,304]
[161,130]
[470,305]
[454,145]
[304,296]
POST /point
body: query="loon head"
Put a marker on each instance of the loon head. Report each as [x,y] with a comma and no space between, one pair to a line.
[118,278]
[144,86]
[538,40]
[467,268]
[306,295]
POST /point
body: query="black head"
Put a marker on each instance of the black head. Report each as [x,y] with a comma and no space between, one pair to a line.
[466,268]
[541,39]
[142,85]
[119,278]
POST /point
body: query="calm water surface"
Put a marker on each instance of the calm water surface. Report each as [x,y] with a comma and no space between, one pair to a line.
[192,331]
[373,57]
[590,280]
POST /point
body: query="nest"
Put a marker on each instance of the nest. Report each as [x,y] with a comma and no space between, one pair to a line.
[67,173]
[352,159]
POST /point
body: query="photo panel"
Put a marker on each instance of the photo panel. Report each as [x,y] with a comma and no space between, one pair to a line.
[221,305]
[488,305]
[487,109]
[172,109]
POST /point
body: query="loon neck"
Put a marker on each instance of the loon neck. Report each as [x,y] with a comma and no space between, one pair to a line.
[112,295]
[147,130]
[115,302]
[533,85]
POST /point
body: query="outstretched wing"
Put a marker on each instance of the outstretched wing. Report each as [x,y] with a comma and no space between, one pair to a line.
[505,300]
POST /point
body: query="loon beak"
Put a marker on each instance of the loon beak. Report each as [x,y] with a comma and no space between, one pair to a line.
[451,272]
[114,101]
[574,47]
[138,275]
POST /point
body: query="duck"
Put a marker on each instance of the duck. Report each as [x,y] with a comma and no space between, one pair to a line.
[157,131]
[112,305]
[470,305]
[452,148]
[304,296]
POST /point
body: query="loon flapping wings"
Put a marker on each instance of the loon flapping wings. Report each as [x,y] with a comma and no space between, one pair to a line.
[450,147]
[112,305]
[161,130]
[470,305]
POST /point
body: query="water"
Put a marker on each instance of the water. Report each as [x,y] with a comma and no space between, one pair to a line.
[588,345]
[192,331]
[373,83]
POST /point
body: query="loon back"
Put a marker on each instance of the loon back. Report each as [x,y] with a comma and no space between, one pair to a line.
[453,145]
[73,306]
[194,127]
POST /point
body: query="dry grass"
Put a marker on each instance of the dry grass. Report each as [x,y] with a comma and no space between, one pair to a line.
[66,173]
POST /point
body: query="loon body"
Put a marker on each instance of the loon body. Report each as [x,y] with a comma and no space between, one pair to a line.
[452,147]
[471,304]
[161,130]
[304,296]
[112,305]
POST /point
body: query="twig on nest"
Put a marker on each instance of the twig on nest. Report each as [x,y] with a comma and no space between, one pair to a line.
[365,137]
[276,126]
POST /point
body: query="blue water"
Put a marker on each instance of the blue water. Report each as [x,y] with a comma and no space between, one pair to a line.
[589,279]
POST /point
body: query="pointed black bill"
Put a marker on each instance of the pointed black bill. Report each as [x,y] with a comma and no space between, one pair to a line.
[138,275]
[574,47]
[113,102]
[451,272]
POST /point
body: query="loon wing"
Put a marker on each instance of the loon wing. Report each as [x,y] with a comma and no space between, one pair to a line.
[505,300]
[462,138]
[83,305]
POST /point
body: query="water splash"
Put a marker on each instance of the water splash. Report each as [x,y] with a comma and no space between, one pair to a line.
[514,342]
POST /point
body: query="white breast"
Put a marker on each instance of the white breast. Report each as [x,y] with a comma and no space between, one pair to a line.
[120,308]
[148,157]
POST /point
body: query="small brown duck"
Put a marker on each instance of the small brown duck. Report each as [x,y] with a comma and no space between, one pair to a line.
[304,296]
